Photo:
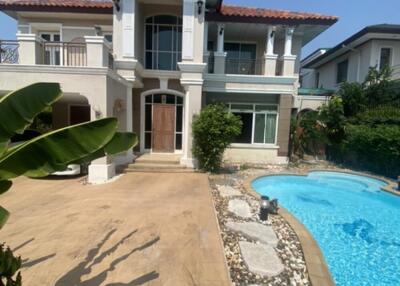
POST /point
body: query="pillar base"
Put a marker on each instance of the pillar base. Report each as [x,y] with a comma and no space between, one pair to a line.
[101,173]
[270,64]
[219,62]
[288,65]
[189,162]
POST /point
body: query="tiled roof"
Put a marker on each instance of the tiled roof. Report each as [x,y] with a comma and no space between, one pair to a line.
[58,5]
[262,15]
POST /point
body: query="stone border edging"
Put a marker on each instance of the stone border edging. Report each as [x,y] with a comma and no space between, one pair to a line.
[317,268]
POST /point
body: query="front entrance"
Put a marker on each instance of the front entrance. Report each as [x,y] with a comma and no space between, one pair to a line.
[163,123]
[163,128]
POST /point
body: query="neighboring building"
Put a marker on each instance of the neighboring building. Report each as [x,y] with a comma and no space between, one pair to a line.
[374,46]
[154,64]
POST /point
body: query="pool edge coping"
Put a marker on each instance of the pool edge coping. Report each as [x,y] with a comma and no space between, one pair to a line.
[317,268]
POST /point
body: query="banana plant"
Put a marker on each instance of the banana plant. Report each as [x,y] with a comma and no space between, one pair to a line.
[50,152]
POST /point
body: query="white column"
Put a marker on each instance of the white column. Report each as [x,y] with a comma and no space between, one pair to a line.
[188,30]
[128,28]
[221,35]
[270,57]
[220,55]
[270,40]
[289,60]
[288,41]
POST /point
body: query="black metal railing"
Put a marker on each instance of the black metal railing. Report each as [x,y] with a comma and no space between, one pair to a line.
[9,52]
[64,54]
[244,66]
[110,60]
[210,64]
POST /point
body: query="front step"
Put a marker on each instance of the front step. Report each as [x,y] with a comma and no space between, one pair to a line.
[158,163]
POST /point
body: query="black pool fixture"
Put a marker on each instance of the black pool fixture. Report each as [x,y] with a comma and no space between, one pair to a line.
[264,208]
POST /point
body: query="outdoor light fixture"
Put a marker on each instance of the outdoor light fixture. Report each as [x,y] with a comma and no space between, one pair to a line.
[117,6]
[221,30]
[264,208]
[199,7]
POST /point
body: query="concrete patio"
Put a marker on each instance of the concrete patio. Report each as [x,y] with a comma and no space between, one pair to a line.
[143,229]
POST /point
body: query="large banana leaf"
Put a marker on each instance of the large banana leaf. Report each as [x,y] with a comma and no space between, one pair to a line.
[121,142]
[20,107]
[4,214]
[51,152]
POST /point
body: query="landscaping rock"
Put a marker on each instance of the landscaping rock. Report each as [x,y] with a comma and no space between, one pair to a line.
[261,258]
[228,191]
[263,233]
[240,208]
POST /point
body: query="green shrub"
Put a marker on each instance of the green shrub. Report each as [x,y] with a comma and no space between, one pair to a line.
[375,148]
[213,130]
[353,98]
[380,115]
[310,135]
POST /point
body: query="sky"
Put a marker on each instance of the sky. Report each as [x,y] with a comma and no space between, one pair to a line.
[353,16]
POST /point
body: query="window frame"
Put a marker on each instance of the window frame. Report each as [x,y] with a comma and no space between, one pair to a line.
[255,112]
[175,52]
[337,71]
[380,56]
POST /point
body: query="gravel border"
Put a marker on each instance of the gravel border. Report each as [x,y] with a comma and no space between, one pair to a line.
[288,249]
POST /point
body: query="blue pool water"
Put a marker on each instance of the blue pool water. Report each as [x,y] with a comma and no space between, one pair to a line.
[356,225]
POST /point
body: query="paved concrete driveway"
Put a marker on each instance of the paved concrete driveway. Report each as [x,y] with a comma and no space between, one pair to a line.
[143,229]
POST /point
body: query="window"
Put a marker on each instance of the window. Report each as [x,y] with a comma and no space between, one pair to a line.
[385,58]
[317,80]
[259,122]
[240,58]
[52,49]
[342,68]
[163,43]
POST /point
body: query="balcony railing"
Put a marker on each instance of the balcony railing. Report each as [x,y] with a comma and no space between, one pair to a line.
[244,66]
[9,52]
[64,54]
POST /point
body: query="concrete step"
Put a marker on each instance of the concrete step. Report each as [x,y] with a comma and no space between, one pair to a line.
[158,159]
[147,165]
[165,170]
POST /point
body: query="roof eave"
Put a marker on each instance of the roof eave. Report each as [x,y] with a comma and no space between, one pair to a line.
[216,17]
[56,9]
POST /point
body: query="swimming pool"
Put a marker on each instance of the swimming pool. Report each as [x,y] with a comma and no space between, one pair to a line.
[356,225]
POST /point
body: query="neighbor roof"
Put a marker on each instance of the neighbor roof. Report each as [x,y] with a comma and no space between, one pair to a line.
[82,6]
[229,13]
[381,29]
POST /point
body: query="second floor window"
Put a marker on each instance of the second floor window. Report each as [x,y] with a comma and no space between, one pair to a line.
[385,58]
[342,68]
[163,47]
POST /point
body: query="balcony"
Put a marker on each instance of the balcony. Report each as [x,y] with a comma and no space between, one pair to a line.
[244,66]
[30,50]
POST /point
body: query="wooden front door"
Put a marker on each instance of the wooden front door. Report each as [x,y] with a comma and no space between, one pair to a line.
[163,128]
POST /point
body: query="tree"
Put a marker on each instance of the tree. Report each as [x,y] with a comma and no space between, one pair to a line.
[47,153]
[213,131]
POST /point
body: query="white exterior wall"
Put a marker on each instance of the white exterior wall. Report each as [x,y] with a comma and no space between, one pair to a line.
[360,60]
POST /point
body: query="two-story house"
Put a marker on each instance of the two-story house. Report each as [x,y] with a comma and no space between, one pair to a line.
[374,46]
[155,64]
